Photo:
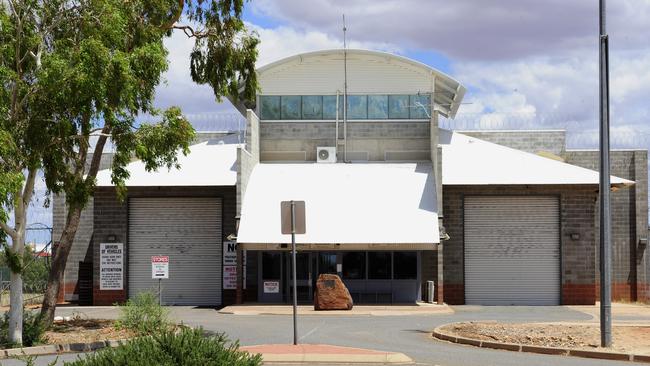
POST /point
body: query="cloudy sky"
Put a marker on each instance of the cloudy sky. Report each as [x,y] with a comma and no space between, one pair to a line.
[526,63]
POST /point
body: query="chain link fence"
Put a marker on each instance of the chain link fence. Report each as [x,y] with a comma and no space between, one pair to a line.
[37,266]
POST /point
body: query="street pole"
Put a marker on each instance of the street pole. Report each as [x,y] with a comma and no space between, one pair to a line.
[293,271]
[159,293]
[605,209]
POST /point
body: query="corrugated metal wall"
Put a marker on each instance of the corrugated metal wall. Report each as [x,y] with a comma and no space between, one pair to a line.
[512,250]
[324,75]
[189,231]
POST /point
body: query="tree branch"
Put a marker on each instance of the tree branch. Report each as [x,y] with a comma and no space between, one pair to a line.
[7,229]
[97,153]
[29,186]
[177,16]
[190,32]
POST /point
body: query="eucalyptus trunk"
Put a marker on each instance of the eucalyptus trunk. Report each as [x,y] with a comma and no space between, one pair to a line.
[59,261]
[16,280]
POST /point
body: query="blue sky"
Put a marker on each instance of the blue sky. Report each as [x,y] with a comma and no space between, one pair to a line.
[526,63]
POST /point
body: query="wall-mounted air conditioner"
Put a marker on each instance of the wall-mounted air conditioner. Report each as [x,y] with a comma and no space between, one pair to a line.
[326,154]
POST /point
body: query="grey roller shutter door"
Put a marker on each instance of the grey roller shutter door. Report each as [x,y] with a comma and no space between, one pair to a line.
[189,231]
[512,250]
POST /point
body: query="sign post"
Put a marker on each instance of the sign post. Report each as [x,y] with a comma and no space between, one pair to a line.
[292,214]
[159,270]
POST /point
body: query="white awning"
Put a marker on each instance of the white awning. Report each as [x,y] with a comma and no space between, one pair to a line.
[210,163]
[346,204]
[470,161]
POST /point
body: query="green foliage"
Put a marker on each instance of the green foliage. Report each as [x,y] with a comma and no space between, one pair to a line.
[142,314]
[33,330]
[187,347]
[33,269]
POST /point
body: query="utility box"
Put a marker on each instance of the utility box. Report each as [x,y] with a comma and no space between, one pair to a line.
[431,290]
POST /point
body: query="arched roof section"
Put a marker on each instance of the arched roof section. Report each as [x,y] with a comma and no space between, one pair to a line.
[368,72]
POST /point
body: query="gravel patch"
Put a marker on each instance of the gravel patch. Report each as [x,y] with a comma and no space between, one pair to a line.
[627,339]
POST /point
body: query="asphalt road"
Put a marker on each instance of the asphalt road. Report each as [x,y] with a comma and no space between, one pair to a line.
[408,334]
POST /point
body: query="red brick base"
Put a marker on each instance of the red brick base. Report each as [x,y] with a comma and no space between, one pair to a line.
[643,292]
[108,297]
[578,294]
[67,289]
[454,294]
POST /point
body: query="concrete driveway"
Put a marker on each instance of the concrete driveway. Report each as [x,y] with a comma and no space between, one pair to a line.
[410,334]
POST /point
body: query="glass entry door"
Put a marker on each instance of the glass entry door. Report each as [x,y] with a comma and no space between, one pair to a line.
[304,277]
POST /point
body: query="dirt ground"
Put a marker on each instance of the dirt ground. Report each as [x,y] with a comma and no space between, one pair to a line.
[627,339]
[84,330]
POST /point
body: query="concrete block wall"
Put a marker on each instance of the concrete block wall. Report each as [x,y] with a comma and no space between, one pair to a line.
[578,256]
[80,251]
[366,140]
[630,265]
[111,218]
[553,141]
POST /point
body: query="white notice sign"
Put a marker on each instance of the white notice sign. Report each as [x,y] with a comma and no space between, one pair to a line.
[271,287]
[111,260]
[159,266]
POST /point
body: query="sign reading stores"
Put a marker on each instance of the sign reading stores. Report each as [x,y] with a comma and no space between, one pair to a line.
[111,268]
[160,267]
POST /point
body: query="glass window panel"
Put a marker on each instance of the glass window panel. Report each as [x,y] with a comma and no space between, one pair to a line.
[329,107]
[302,265]
[291,107]
[377,106]
[326,263]
[357,106]
[312,107]
[398,106]
[269,107]
[420,106]
[354,265]
[406,265]
[379,266]
[271,265]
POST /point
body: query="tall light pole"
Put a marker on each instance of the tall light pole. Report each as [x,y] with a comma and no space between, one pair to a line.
[605,208]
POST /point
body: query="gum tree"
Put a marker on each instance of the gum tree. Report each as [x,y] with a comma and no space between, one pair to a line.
[75,76]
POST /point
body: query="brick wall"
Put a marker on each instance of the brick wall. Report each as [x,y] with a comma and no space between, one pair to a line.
[578,256]
[630,266]
[111,218]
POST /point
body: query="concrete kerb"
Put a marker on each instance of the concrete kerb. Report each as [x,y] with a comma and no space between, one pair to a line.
[52,349]
[439,334]
[364,310]
[320,353]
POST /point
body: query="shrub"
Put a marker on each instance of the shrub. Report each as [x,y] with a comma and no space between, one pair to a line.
[143,315]
[33,330]
[186,347]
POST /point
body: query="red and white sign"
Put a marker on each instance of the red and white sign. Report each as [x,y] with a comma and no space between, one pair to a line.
[160,266]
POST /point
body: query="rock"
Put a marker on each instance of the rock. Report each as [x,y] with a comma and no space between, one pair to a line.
[331,294]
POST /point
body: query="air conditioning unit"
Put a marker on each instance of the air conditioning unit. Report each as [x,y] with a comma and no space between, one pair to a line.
[326,154]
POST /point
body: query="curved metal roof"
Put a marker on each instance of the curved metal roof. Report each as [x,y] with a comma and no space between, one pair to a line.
[448,93]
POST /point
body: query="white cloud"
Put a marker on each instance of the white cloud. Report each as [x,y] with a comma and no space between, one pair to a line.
[281,42]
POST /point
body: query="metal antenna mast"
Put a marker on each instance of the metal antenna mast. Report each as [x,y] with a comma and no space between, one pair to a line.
[605,207]
[345,93]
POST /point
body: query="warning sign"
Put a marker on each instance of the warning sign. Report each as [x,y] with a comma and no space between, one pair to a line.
[111,260]
[230,265]
[160,266]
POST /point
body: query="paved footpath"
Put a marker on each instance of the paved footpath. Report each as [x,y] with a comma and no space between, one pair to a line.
[409,334]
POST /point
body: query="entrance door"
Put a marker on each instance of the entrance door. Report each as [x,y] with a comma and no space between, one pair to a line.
[303,277]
